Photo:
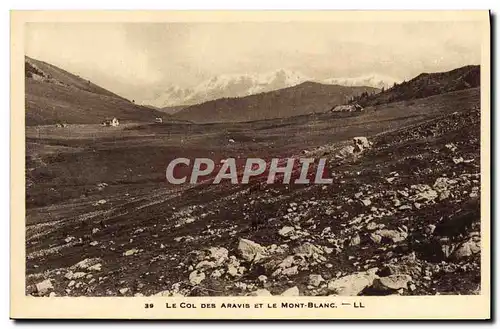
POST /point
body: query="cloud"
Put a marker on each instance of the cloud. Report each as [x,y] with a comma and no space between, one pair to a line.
[100,52]
[137,59]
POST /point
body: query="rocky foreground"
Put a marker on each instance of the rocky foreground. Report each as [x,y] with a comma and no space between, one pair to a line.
[402,217]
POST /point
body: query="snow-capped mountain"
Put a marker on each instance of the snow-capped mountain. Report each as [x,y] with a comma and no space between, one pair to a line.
[239,85]
[231,85]
[373,80]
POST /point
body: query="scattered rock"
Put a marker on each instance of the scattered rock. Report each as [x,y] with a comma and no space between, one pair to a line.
[86,263]
[452,147]
[315,280]
[219,254]
[424,192]
[345,152]
[361,143]
[251,251]
[290,271]
[286,231]
[430,229]
[392,235]
[308,250]
[352,285]
[96,267]
[205,264]
[77,275]
[69,239]
[291,292]
[196,277]
[260,293]
[366,202]
[467,249]
[130,252]
[44,286]
[356,240]
[392,282]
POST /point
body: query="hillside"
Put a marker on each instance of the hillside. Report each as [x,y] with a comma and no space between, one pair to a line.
[425,85]
[101,220]
[55,95]
[307,97]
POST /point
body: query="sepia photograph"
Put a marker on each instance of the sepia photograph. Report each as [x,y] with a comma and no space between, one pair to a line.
[317,159]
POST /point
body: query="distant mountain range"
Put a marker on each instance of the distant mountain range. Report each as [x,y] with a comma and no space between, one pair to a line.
[373,80]
[55,95]
[240,85]
[307,97]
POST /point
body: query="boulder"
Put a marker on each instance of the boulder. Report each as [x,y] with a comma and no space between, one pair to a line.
[291,292]
[345,152]
[361,143]
[44,286]
[290,271]
[315,279]
[232,270]
[86,263]
[424,192]
[251,251]
[262,278]
[467,249]
[352,285]
[205,264]
[77,275]
[392,235]
[308,250]
[286,231]
[196,277]
[217,274]
[220,254]
[96,267]
[130,252]
[355,240]
[392,282]
[443,183]
[260,293]
[287,262]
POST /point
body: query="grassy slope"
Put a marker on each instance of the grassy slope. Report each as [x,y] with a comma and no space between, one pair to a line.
[427,84]
[142,212]
[308,97]
[68,98]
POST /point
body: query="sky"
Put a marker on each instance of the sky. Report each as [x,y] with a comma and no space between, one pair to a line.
[137,60]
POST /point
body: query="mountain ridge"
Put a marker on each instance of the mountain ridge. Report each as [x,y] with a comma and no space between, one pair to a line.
[425,85]
[307,97]
[241,85]
[55,95]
